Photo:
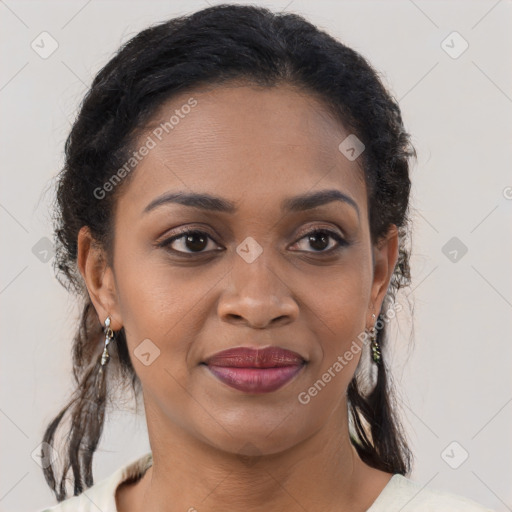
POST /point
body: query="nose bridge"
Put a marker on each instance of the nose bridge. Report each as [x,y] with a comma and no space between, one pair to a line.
[256,295]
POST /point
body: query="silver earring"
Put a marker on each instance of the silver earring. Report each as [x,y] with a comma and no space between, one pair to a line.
[109,334]
[374,344]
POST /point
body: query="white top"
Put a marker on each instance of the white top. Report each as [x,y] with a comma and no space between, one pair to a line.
[400,494]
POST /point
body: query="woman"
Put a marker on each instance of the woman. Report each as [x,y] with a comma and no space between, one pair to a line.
[233,212]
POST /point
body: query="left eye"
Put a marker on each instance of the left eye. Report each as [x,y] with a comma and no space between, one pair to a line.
[319,239]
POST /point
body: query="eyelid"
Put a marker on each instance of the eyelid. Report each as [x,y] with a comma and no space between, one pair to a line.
[184,230]
[312,228]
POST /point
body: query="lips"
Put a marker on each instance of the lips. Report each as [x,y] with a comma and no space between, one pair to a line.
[255,370]
[245,357]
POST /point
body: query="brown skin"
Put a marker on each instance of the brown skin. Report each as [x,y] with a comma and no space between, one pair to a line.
[253,146]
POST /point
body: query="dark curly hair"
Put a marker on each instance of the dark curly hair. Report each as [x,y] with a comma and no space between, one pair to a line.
[212,46]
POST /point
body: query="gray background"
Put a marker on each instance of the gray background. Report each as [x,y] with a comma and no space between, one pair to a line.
[454,378]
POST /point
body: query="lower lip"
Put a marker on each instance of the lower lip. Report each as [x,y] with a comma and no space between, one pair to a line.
[255,380]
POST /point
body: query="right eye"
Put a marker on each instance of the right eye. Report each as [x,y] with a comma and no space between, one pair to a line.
[191,241]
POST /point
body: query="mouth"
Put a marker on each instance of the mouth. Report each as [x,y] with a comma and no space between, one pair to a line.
[255,370]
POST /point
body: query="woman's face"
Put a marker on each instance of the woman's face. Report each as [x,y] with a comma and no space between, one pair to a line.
[252,277]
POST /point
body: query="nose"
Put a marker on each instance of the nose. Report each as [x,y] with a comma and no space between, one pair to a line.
[257,297]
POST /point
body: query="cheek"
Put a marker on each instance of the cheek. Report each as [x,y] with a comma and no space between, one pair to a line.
[163,312]
[341,295]
[338,356]
[162,309]
[338,309]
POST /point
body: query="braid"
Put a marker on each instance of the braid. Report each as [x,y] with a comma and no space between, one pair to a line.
[87,407]
[372,416]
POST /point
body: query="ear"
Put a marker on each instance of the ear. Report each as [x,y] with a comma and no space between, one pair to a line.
[99,278]
[385,256]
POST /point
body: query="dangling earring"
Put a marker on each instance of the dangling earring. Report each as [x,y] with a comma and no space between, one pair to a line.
[109,334]
[374,344]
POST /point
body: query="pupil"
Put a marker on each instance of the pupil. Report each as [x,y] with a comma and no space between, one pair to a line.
[196,246]
[323,236]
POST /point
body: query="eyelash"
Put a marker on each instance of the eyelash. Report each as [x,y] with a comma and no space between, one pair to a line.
[332,234]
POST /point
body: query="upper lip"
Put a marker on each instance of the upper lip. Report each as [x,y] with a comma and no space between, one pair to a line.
[246,357]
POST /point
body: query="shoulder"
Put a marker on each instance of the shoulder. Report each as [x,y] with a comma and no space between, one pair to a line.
[101,496]
[97,497]
[406,495]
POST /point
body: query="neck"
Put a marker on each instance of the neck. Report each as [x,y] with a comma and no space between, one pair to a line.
[323,472]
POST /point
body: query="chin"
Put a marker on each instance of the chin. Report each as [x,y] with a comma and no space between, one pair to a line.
[256,439]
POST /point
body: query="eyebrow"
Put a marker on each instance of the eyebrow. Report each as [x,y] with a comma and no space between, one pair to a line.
[208,202]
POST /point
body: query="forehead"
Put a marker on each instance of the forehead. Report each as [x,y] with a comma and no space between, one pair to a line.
[240,141]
